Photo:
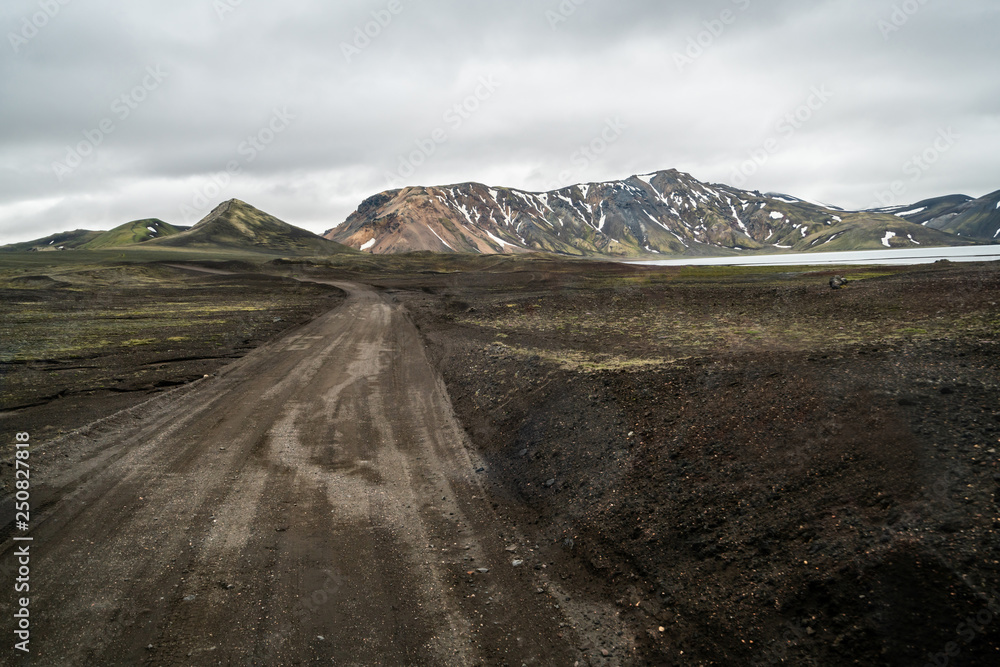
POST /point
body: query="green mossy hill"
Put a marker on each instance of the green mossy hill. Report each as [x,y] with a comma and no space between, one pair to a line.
[979,218]
[871,231]
[60,241]
[236,224]
[131,233]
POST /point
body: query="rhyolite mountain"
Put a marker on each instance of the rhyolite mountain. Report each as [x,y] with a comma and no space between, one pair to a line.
[666,212]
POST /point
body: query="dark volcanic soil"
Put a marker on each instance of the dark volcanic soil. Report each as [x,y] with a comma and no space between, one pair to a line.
[80,348]
[810,477]
[690,466]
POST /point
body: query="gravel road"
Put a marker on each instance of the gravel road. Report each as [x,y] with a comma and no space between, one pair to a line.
[312,503]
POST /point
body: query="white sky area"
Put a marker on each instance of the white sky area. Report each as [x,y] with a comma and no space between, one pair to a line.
[115,111]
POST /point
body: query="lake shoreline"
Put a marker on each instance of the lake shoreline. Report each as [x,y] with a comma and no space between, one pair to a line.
[876,257]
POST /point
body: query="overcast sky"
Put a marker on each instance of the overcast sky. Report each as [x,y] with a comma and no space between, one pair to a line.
[114,111]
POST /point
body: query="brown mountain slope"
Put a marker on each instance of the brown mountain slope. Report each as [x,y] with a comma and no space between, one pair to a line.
[667,212]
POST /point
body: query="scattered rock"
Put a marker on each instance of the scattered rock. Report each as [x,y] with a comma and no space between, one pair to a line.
[837,282]
[517,563]
[483,570]
[550,483]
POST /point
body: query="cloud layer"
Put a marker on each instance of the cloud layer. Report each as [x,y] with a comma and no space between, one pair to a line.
[115,111]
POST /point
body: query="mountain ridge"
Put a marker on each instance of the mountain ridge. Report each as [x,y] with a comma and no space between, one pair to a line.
[664,212]
[70,240]
[959,214]
[233,224]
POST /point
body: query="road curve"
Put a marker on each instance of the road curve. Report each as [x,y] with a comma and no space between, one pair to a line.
[313,502]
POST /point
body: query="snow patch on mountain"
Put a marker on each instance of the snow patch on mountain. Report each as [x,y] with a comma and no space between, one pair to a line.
[499,240]
[439,238]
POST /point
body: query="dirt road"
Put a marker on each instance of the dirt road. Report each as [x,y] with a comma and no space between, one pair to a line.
[312,503]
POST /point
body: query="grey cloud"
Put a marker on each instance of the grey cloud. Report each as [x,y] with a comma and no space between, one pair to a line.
[560,83]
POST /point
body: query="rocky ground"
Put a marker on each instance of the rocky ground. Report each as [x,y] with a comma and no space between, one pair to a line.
[749,467]
[760,470]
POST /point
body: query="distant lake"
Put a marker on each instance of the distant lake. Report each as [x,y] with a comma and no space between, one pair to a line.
[903,256]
